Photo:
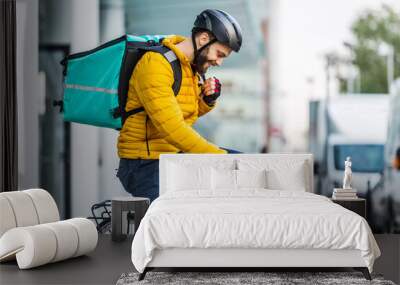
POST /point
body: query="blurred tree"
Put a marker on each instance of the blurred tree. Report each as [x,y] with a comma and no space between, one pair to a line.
[374,31]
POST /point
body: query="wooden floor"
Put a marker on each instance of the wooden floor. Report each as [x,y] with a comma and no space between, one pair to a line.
[103,266]
[389,262]
[110,260]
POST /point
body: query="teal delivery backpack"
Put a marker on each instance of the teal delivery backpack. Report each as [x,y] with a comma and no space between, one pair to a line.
[96,81]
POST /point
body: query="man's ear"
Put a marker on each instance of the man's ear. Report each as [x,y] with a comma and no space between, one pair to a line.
[202,39]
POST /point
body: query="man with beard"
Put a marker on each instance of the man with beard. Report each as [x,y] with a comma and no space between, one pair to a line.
[165,126]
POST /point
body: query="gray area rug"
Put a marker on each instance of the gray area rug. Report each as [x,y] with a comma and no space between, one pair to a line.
[231,278]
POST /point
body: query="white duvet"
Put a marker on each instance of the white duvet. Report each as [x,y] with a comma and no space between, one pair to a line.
[250,219]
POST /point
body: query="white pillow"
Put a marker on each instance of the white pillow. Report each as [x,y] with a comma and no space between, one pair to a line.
[223,179]
[227,179]
[182,177]
[281,174]
[288,177]
[251,178]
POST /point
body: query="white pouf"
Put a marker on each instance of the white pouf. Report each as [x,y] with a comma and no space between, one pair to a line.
[7,218]
[31,233]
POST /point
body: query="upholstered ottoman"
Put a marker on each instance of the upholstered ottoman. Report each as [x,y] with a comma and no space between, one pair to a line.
[31,232]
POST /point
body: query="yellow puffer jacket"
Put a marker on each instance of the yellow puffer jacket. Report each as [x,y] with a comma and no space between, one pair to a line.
[169,126]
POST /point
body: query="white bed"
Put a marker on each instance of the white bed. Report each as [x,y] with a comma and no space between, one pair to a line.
[247,210]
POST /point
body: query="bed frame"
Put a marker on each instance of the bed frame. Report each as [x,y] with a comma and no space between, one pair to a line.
[249,259]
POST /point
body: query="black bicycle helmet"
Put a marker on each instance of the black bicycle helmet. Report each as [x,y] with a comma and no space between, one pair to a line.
[222,25]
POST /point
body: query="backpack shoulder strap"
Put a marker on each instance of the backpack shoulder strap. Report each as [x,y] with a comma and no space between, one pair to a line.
[173,60]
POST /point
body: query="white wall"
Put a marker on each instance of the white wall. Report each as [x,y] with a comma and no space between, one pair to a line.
[301,33]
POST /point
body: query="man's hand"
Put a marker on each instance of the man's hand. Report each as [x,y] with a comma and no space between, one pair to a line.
[211,90]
